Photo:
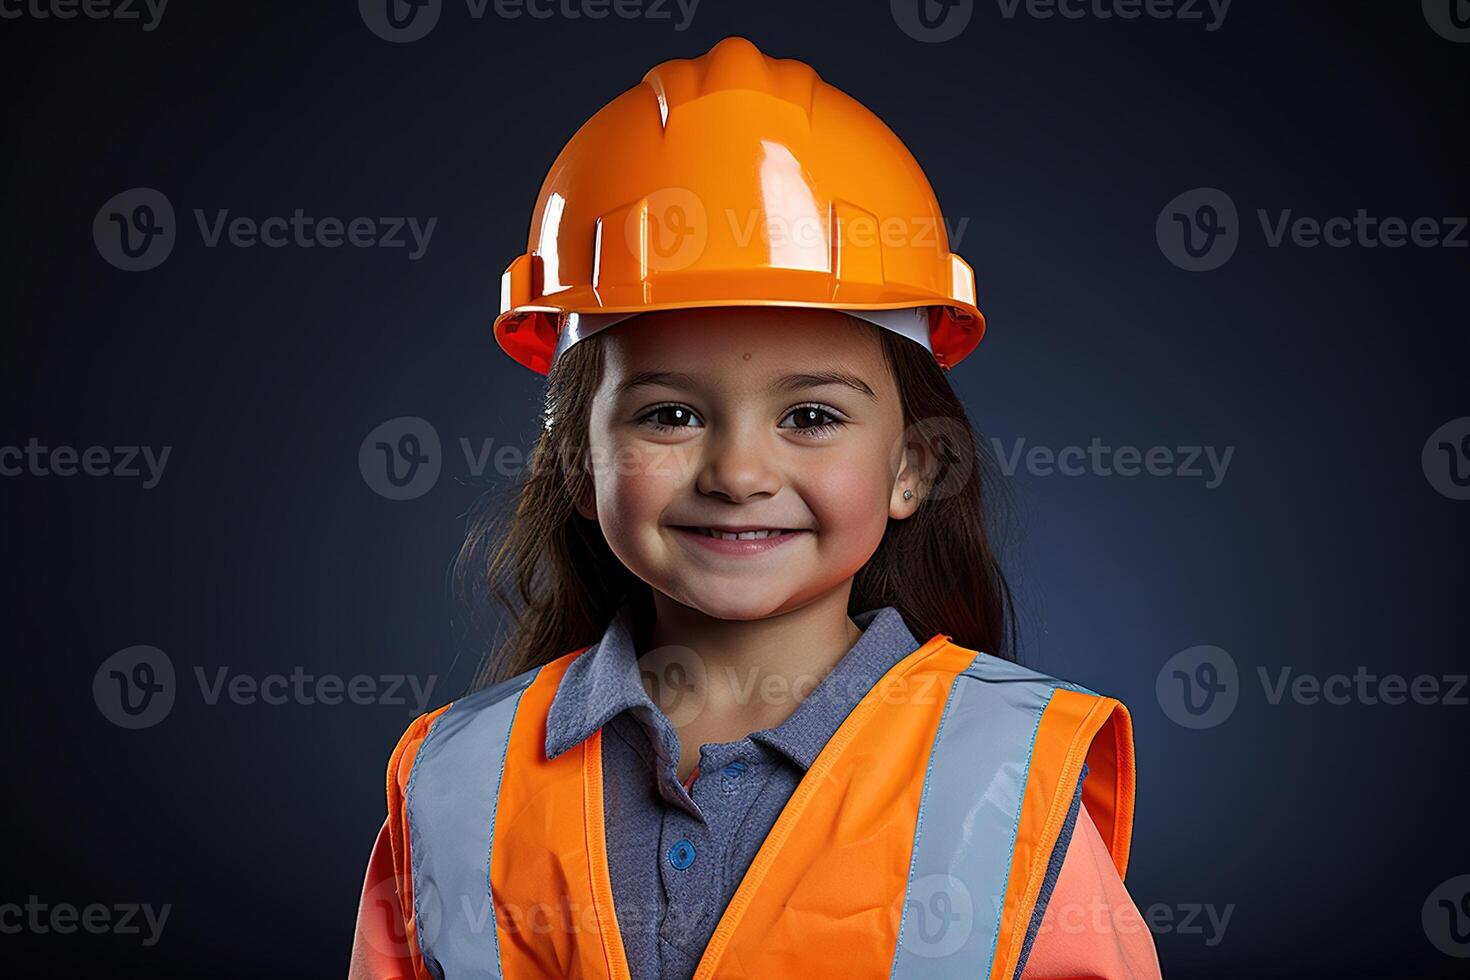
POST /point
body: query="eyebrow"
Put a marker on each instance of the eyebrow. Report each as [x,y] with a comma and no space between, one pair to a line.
[791,382]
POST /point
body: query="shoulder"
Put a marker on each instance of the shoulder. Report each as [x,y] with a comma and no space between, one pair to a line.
[988,669]
[990,693]
[1040,710]
[450,721]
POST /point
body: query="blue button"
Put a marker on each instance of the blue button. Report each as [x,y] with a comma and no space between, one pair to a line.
[681,855]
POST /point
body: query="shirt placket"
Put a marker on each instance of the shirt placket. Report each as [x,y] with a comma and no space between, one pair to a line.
[694,850]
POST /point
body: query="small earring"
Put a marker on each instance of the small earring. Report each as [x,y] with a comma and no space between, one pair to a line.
[907,493]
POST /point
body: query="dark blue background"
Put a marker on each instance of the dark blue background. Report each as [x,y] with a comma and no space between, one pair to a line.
[1325,548]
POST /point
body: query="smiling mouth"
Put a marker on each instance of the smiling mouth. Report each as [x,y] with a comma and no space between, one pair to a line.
[751,534]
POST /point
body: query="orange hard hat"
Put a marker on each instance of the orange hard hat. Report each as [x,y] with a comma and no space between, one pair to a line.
[734,179]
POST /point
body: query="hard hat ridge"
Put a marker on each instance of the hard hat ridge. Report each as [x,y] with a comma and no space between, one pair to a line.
[733,64]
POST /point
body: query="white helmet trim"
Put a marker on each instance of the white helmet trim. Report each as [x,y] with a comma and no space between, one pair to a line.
[911,322]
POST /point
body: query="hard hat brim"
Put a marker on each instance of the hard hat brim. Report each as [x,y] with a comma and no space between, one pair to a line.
[536,336]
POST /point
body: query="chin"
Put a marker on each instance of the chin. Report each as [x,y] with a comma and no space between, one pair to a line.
[733,602]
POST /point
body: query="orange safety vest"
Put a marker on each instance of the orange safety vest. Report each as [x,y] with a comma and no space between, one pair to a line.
[918,844]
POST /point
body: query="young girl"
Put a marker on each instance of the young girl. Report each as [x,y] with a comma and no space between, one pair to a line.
[758,717]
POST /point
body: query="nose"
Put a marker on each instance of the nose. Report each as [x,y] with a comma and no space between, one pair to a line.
[737,466]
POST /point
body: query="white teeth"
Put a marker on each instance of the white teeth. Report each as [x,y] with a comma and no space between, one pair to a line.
[741,536]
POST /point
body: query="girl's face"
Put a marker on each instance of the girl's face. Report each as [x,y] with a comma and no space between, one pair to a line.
[744,418]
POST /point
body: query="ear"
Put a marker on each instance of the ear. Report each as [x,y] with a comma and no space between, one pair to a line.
[914,468]
[584,496]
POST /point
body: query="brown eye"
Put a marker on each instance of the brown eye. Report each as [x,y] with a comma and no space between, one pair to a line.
[668,417]
[814,420]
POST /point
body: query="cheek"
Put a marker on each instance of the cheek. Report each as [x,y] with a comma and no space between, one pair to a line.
[850,499]
[634,485]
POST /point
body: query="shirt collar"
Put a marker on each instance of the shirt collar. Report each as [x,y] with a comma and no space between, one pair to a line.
[598,685]
[604,681]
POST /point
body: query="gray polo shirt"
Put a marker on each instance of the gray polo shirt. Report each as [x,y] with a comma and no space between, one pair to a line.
[677,855]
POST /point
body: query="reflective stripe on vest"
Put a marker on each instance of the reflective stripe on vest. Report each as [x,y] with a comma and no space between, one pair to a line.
[916,845]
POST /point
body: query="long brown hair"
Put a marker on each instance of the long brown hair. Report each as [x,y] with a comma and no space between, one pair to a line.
[552,571]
